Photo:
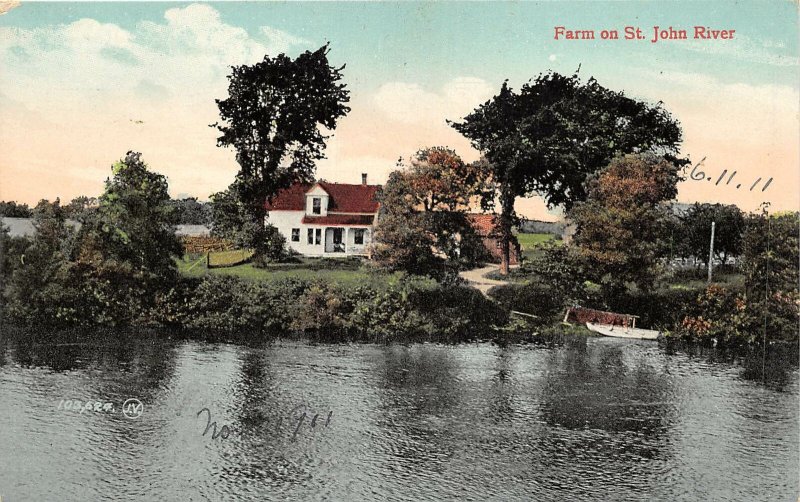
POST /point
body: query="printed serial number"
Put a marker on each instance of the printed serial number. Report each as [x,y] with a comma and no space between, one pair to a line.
[83,406]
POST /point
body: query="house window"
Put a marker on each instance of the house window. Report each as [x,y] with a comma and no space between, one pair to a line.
[311,236]
[316,204]
[318,236]
[295,235]
[358,237]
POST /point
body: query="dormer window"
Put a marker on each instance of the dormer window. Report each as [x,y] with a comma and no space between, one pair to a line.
[316,205]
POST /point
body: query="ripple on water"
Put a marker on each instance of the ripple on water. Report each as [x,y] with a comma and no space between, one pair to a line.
[595,419]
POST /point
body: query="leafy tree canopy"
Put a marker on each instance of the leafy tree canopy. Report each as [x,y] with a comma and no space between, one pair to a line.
[770,252]
[81,207]
[622,227]
[229,220]
[423,223]
[695,231]
[135,222]
[274,118]
[556,131]
[190,211]
[438,179]
[13,210]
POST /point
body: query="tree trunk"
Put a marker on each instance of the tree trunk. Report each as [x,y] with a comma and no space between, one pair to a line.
[506,222]
[259,214]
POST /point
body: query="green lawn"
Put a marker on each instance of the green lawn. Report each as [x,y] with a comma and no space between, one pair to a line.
[306,269]
[530,242]
[227,258]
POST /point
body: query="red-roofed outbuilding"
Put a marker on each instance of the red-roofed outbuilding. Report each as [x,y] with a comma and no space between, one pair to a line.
[487,226]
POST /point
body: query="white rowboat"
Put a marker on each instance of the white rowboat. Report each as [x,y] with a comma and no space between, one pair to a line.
[623,332]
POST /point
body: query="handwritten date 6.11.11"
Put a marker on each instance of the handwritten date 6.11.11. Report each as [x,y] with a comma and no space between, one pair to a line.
[698,175]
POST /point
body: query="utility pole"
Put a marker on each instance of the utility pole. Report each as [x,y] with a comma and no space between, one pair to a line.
[711,252]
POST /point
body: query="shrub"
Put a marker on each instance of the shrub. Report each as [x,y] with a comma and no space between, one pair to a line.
[457,312]
[534,298]
[663,308]
[556,268]
[324,310]
[731,318]
[223,303]
[387,316]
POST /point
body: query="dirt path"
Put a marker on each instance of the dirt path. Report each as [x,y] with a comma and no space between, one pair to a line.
[476,279]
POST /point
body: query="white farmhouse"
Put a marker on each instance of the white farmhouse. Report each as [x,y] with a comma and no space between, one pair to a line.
[326,219]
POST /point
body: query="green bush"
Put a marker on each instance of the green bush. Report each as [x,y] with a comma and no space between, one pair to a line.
[534,298]
[386,316]
[664,308]
[411,309]
[222,303]
[457,312]
[730,318]
[766,305]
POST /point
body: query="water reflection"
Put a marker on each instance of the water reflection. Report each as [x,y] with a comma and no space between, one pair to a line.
[502,388]
[602,387]
[420,394]
[771,367]
[593,419]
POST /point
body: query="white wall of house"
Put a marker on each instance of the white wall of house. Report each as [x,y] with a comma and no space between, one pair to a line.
[287,221]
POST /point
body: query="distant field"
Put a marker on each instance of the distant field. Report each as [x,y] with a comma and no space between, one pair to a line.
[533,240]
[530,242]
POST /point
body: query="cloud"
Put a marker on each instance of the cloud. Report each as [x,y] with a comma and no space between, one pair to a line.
[281,40]
[410,103]
[191,49]
[79,95]
[747,49]
[750,129]
[6,6]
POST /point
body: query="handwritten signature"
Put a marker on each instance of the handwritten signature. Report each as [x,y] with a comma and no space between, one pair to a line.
[225,431]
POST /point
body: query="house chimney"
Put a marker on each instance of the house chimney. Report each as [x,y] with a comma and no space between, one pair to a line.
[363,178]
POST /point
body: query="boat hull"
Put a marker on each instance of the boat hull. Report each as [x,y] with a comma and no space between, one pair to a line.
[622,332]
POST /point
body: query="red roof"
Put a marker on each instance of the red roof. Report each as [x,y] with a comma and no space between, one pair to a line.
[344,198]
[340,219]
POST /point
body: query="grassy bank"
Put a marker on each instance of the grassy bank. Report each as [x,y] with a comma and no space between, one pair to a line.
[345,271]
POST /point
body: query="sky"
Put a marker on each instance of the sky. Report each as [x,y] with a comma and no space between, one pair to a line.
[83,83]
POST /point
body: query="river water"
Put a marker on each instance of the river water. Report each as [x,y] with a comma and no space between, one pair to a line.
[594,419]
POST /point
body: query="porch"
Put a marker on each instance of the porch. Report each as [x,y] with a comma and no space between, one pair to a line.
[346,241]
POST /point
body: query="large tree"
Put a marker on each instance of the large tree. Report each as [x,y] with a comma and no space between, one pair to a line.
[34,279]
[274,118]
[550,136]
[423,217]
[439,180]
[134,222]
[622,227]
[81,207]
[695,231]
[13,210]
[191,211]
